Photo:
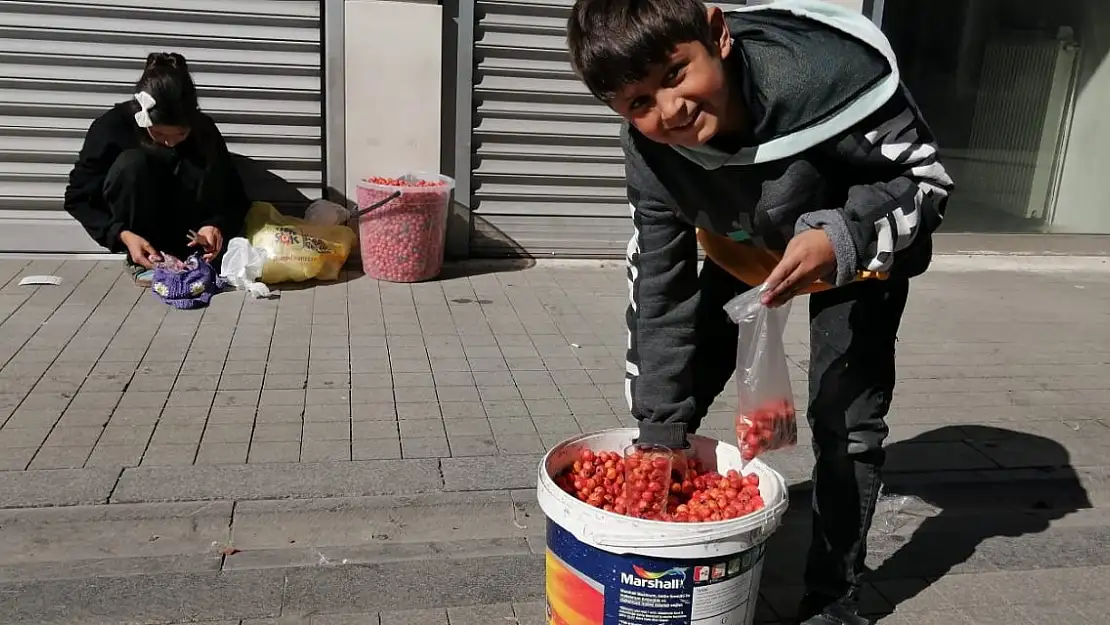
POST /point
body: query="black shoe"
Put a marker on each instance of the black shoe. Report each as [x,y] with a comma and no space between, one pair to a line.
[814,611]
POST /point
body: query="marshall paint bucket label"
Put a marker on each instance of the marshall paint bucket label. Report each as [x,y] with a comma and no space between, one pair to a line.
[588,586]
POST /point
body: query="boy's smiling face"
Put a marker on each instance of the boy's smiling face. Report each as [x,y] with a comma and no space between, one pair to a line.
[684,100]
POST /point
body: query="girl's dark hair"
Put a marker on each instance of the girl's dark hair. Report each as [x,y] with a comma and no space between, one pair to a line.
[614,43]
[166,78]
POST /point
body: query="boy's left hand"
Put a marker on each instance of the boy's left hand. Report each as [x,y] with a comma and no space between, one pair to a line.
[212,240]
[808,257]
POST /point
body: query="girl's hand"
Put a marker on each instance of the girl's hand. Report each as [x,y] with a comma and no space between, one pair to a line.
[212,240]
[808,257]
[139,249]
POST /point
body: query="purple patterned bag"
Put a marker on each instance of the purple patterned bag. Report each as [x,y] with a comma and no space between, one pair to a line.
[185,284]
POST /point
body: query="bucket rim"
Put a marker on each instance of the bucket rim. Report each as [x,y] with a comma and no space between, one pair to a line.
[448,182]
[558,505]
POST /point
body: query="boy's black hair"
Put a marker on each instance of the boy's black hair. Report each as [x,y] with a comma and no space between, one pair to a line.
[616,42]
[166,78]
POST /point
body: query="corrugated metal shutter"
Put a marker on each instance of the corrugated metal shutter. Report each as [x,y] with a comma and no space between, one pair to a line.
[548,176]
[64,62]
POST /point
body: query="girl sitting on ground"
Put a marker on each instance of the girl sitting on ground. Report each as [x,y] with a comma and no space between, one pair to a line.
[154,171]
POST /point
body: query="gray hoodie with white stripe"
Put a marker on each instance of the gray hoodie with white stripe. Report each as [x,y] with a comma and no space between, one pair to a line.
[836,144]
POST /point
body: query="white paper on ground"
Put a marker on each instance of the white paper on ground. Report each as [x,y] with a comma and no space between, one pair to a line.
[40,280]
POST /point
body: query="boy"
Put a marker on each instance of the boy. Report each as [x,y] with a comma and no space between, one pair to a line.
[780,133]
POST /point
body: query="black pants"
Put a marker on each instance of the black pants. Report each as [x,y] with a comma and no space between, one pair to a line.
[853,330]
[147,192]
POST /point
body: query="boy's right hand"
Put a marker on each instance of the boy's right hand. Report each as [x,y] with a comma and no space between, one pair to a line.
[139,249]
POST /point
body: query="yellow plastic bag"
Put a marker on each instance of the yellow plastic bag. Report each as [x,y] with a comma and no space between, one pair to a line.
[297,250]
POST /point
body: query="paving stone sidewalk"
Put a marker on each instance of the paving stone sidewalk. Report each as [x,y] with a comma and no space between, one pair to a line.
[500,614]
[100,374]
[1002,377]
[97,373]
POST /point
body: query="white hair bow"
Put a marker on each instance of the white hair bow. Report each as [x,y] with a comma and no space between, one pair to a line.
[146,102]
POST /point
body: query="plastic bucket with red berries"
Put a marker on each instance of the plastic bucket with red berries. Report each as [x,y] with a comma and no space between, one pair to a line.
[402,240]
[605,568]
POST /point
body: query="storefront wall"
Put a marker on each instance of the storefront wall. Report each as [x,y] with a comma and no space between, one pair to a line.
[1083,203]
[389,75]
[1016,92]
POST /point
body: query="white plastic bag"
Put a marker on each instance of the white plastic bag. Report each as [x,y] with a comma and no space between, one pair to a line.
[242,267]
[325,213]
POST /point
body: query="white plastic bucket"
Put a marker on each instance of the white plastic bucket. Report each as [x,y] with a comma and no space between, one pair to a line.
[608,569]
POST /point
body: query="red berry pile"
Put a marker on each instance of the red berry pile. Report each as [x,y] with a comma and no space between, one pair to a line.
[601,479]
[402,241]
[772,425]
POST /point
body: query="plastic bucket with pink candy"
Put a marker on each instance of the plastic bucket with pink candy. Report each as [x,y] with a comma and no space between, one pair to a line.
[402,225]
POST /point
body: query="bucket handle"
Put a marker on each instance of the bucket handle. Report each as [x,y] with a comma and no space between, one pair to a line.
[392,196]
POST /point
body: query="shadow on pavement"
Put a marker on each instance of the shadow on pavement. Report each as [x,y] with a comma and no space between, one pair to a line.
[262,185]
[346,275]
[451,271]
[477,267]
[936,521]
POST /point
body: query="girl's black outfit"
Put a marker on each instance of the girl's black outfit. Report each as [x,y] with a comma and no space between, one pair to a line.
[124,181]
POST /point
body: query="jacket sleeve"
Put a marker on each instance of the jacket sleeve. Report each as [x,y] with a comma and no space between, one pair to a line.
[663,297]
[223,194]
[902,201]
[84,196]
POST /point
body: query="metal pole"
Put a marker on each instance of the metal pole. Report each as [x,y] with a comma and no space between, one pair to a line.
[459,112]
[334,104]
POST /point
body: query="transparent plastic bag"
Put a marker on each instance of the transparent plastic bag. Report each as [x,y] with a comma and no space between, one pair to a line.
[765,418]
[647,480]
[402,224]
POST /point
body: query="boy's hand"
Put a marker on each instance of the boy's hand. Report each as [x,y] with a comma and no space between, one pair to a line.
[808,257]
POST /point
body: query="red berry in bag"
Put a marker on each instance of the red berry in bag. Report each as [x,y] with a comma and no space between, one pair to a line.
[770,426]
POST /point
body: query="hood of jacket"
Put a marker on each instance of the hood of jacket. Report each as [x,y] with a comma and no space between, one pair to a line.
[808,71]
